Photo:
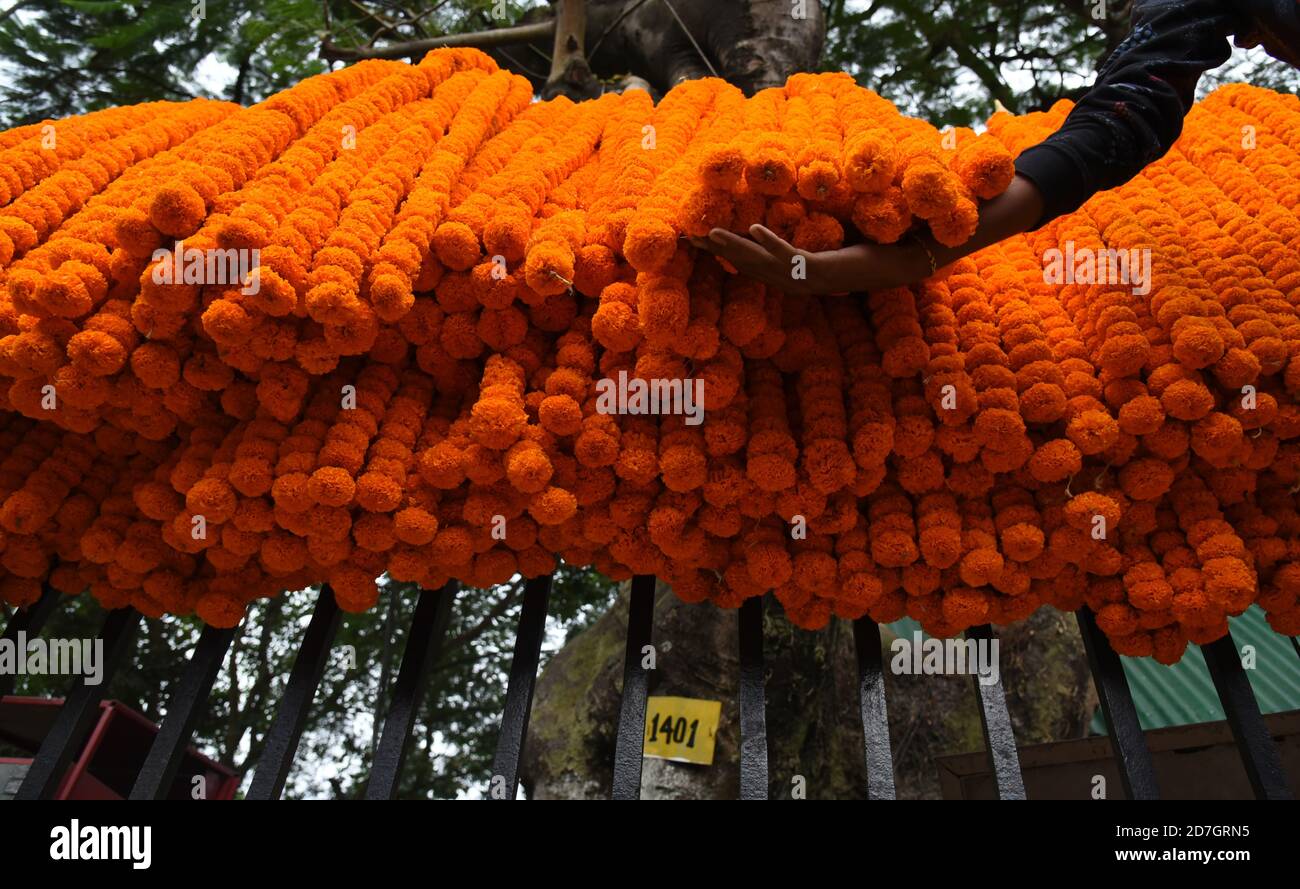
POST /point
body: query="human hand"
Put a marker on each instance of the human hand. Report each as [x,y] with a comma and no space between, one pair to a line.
[766,258]
[778,264]
[865,266]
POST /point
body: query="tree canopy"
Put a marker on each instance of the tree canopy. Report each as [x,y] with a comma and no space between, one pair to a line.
[456,732]
[947,60]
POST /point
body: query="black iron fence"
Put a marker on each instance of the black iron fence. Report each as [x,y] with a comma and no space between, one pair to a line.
[1258,750]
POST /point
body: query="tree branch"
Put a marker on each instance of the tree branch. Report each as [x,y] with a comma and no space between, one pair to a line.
[254,700]
[482,626]
[232,700]
[624,13]
[479,39]
[385,668]
[978,65]
[12,9]
[570,72]
[241,80]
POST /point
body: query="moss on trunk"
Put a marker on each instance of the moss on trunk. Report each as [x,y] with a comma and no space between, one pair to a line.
[813,722]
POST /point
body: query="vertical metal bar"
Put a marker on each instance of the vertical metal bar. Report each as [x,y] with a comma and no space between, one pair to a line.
[999,736]
[519,690]
[30,618]
[875,719]
[1259,752]
[1127,742]
[29,621]
[287,725]
[423,643]
[183,710]
[630,742]
[80,710]
[753,702]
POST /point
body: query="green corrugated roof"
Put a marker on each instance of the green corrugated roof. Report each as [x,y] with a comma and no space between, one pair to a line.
[1184,694]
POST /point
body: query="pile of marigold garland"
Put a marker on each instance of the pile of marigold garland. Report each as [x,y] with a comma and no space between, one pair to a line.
[406,382]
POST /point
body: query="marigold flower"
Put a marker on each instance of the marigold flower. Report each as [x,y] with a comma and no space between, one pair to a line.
[1055,460]
[177,210]
[883,216]
[870,161]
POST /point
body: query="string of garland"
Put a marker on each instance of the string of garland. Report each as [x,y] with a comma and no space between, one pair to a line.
[408,381]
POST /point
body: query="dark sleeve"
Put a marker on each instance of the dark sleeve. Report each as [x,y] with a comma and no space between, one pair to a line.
[1134,111]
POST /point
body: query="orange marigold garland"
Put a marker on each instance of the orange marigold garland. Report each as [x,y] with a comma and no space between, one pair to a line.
[414,377]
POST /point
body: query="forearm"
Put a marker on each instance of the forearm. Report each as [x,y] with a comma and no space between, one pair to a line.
[1014,211]
[881,266]
[1134,110]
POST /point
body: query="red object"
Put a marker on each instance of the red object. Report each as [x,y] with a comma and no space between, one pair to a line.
[111,757]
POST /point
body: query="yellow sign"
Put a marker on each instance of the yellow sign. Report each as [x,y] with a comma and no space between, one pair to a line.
[681,729]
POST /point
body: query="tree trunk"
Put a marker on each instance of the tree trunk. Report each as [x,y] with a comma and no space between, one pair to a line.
[570,74]
[811,706]
[754,44]
[813,723]
[1049,696]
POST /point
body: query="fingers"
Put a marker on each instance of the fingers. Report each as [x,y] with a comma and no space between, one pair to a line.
[741,252]
[771,241]
[720,237]
[717,240]
[767,258]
